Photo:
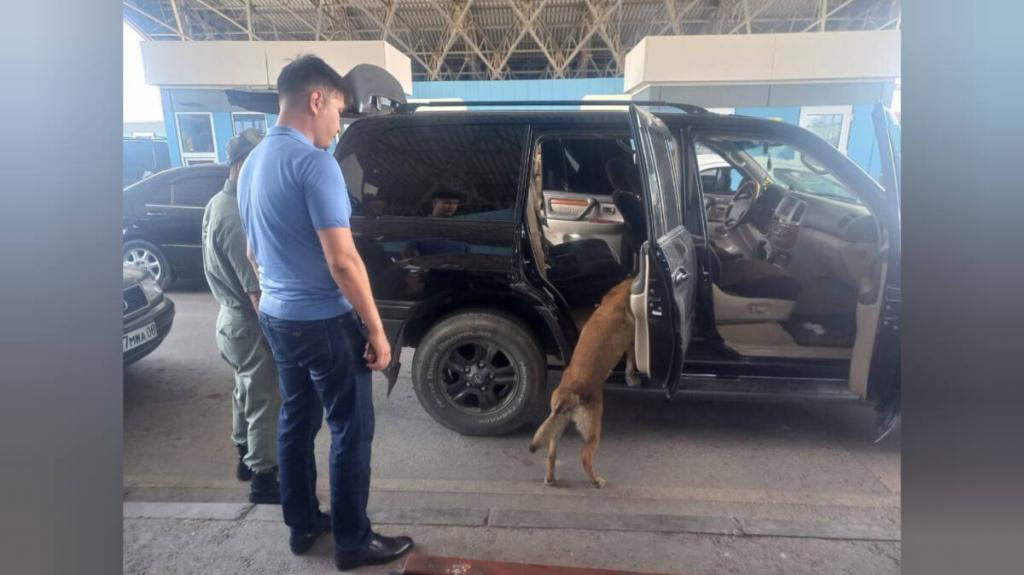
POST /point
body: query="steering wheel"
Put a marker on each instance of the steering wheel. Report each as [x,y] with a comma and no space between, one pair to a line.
[740,204]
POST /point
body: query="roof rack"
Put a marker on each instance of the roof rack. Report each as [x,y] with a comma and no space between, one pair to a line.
[413,106]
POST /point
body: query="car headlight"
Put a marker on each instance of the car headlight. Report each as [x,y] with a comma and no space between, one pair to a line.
[151,289]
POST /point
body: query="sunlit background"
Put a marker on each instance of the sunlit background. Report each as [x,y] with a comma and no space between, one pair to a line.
[141,102]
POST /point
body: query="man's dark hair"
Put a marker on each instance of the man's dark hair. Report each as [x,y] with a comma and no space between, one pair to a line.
[443,192]
[305,74]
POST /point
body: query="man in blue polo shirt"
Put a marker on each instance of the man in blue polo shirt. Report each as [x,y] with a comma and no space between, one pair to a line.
[295,211]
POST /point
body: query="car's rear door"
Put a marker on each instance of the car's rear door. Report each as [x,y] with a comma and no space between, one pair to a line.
[663,291]
[577,193]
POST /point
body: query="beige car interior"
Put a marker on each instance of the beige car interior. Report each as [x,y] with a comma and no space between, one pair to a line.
[577,237]
[807,287]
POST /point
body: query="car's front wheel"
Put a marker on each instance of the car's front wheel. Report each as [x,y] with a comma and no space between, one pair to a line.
[480,373]
[149,257]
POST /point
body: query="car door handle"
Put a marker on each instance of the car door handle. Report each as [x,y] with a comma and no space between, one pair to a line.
[570,209]
[680,276]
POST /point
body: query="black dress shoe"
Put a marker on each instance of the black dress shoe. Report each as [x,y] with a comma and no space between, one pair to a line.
[300,542]
[381,550]
[264,488]
[242,471]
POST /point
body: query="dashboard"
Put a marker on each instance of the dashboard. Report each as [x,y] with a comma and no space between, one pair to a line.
[813,235]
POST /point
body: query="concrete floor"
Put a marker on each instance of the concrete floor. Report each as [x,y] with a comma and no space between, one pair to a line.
[727,486]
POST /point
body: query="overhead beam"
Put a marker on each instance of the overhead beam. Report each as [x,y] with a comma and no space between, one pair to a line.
[335,24]
[527,23]
[677,23]
[152,18]
[319,17]
[248,19]
[465,36]
[895,23]
[227,18]
[401,43]
[614,46]
[388,17]
[825,16]
[586,37]
[673,17]
[177,20]
[746,23]
[452,33]
[312,27]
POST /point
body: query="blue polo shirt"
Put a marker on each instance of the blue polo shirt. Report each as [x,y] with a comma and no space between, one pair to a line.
[287,190]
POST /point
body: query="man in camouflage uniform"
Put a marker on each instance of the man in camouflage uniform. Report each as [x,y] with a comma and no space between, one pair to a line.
[235,285]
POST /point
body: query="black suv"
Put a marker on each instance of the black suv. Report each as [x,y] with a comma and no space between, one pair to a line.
[765,263]
[143,157]
[163,221]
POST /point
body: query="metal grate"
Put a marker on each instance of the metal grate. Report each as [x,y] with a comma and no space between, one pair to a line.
[133,300]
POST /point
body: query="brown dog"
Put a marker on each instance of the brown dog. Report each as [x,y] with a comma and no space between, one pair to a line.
[579,396]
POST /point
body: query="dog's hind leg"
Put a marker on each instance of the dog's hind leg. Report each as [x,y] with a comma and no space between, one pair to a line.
[591,432]
[549,475]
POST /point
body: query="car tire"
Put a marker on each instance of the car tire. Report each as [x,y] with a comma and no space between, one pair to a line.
[469,336]
[147,255]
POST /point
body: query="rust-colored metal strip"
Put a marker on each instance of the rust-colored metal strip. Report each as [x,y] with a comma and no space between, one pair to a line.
[418,564]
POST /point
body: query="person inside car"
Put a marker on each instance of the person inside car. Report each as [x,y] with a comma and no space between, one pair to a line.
[445,203]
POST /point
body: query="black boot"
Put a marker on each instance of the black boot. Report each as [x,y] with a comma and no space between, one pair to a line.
[242,471]
[265,488]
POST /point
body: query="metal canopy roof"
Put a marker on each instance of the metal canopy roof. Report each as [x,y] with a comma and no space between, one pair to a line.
[500,39]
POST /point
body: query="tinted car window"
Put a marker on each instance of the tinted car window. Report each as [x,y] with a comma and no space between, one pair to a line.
[407,171]
[158,193]
[586,161]
[195,192]
[142,158]
[581,164]
[553,162]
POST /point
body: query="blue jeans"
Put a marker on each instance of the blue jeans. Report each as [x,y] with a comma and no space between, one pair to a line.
[321,370]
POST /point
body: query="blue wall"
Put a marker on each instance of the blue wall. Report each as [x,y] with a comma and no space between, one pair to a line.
[789,115]
[172,128]
[574,89]
[222,132]
[863,145]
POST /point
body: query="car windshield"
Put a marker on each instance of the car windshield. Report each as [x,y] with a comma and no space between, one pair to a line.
[786,166]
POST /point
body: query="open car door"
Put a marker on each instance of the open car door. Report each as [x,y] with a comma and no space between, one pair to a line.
[663,290]
[885,372]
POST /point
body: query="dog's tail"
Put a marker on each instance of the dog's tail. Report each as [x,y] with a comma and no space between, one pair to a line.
[555,423]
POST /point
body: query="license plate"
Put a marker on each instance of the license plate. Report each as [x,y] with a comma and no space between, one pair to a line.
[135,338]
